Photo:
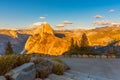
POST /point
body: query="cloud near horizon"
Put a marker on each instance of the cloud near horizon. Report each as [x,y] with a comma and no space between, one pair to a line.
[35,25]
[98,16]
[42,17]
[67,22]
[60,25]
[106,23]
[64,23]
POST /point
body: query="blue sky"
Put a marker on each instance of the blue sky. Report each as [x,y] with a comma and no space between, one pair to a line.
[21,13]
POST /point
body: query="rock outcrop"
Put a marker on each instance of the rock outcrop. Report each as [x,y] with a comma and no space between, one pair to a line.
[44,28]
[2,78]
[44,68]
[44,41]
[24,72]
[35,71]
[17,43]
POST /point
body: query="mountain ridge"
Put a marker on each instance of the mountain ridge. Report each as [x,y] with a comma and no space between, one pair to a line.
[44,41]
[19,38]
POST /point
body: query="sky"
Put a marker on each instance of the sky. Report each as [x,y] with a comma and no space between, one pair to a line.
[82,13]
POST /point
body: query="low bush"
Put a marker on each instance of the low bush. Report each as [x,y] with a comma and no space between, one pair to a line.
[36,60]
[57,60]
[8,62]
[58,69]
[42,74]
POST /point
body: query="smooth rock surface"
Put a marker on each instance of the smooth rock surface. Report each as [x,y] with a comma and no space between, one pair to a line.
[26,71]
[100,67]
[44,66]
[2,78]
[42,79]
[58,77]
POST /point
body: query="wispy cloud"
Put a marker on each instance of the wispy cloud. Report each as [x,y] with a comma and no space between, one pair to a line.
[111,10]
[106,23]
[98,16]
[67,22]
[37,23]
[103,22]
[60,25]
[64,23]
[115,23]
[42,17]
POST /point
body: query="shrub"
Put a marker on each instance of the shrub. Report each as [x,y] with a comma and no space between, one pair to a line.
[21,59]
[36,60]
[57,60]
[8,62]
[42,74]
[58,69]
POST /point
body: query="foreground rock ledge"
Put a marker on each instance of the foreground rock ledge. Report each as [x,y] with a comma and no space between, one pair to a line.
[24,72]
[31,71]
[2,78]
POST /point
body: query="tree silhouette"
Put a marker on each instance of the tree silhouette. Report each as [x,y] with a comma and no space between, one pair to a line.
[81,47]
[84,45]
[73,48]
[84,41]
[8,49]
[72,43]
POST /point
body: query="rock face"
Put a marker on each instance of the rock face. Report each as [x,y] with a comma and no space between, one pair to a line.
[44,41]
[44,28]
[17,43]
[12,33]
[33,71]
[44,68]
[2,78]
[24,72]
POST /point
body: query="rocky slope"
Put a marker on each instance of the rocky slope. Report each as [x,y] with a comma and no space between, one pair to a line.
[16,39]
[97,37]
[103,36]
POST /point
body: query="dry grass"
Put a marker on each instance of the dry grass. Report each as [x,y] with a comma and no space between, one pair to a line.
[57,60]
[8,62]
[42,74]
[58,69]
[36,60]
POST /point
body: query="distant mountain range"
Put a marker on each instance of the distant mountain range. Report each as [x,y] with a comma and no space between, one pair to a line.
[43,39]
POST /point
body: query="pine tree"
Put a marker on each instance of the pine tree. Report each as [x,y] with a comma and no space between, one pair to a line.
[74,47]
[84,41]
[84,45]
[71,49]
[8,49]
[72,43]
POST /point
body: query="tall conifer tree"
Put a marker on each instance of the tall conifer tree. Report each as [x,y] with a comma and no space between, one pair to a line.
[8,49]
